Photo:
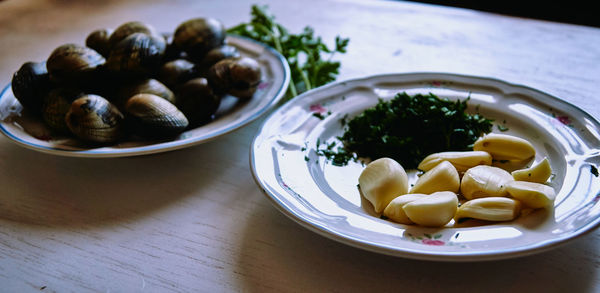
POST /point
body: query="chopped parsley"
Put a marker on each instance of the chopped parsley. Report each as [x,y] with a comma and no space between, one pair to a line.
[502,128]
[338,156]
[408,128]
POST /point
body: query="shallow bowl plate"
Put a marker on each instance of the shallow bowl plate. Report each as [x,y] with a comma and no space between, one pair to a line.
[325,199]
[30,132]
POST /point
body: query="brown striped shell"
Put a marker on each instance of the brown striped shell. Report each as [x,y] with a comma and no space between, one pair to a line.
[176,72]
[94,119]
[138,54]
[98,40]
[129,28]
[197,101]
[73,64]
[198,36]
[30,84]
[238,77]
[153,116]
[55,106]
[217,54]
[144,86]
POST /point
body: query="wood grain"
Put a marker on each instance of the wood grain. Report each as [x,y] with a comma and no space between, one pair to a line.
[195,221]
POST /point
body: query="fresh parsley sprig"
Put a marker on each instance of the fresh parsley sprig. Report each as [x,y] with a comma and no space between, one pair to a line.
[310,59]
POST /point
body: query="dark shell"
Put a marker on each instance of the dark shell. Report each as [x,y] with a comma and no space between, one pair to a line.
[73,64]
[146,86]
[30,84]
[176,72]
[172,52]
[197,101]
[138,54]
[153,116]
[238,77]
[55,107]
[98,40]
[198,36]
[217,54]
[129,28]
[246,75]
[94,119]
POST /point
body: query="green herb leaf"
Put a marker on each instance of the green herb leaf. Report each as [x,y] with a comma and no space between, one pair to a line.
[310,59]
[594,170]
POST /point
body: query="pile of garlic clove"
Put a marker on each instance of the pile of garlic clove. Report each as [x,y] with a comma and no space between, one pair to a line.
[485,192]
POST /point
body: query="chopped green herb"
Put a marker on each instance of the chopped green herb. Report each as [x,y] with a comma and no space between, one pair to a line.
[306,158]
[594,170]
[344,120]
[319,115]
[383,217]
[408,128]
[338,157]
[502,128]
[309,58]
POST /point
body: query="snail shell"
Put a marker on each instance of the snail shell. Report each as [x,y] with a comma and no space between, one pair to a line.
[55,107]
[176,72]
[71,63]
[145,86]
[30,84]
[138,54]
[199,35]
[153,116]
[94,119]
[98,40]
[125,30]
[197,101]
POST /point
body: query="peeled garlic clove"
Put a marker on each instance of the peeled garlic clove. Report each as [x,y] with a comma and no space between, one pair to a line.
[489,209]
[394,209]
[434,210]
[381,181]
[442,177]
[538,173]
[505,147]
[531,194]
[462,161]
[484,181]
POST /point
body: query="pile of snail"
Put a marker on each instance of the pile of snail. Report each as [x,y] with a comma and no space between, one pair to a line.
[135,81]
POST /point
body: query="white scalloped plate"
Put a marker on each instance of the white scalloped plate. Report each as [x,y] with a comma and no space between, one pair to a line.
[30,132]
[325,199]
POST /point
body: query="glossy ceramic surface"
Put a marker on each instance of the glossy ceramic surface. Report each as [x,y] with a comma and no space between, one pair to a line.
[30,132]
[325,198]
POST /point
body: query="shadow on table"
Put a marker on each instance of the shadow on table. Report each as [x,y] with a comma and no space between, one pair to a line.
[278,255]
[61,192]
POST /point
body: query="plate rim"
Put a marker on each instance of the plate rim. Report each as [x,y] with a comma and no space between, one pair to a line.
[446,256]
[165,146]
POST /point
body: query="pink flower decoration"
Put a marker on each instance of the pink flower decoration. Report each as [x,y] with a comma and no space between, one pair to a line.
[433,242]
[564,120]
[436,83]
[317,108]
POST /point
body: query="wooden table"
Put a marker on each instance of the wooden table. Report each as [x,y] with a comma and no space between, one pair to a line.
[194,220]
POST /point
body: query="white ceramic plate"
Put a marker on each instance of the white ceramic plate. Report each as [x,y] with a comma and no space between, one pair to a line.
[325,198]
[30,132]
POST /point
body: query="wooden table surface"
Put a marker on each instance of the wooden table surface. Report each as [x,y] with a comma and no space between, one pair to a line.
[194,220]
